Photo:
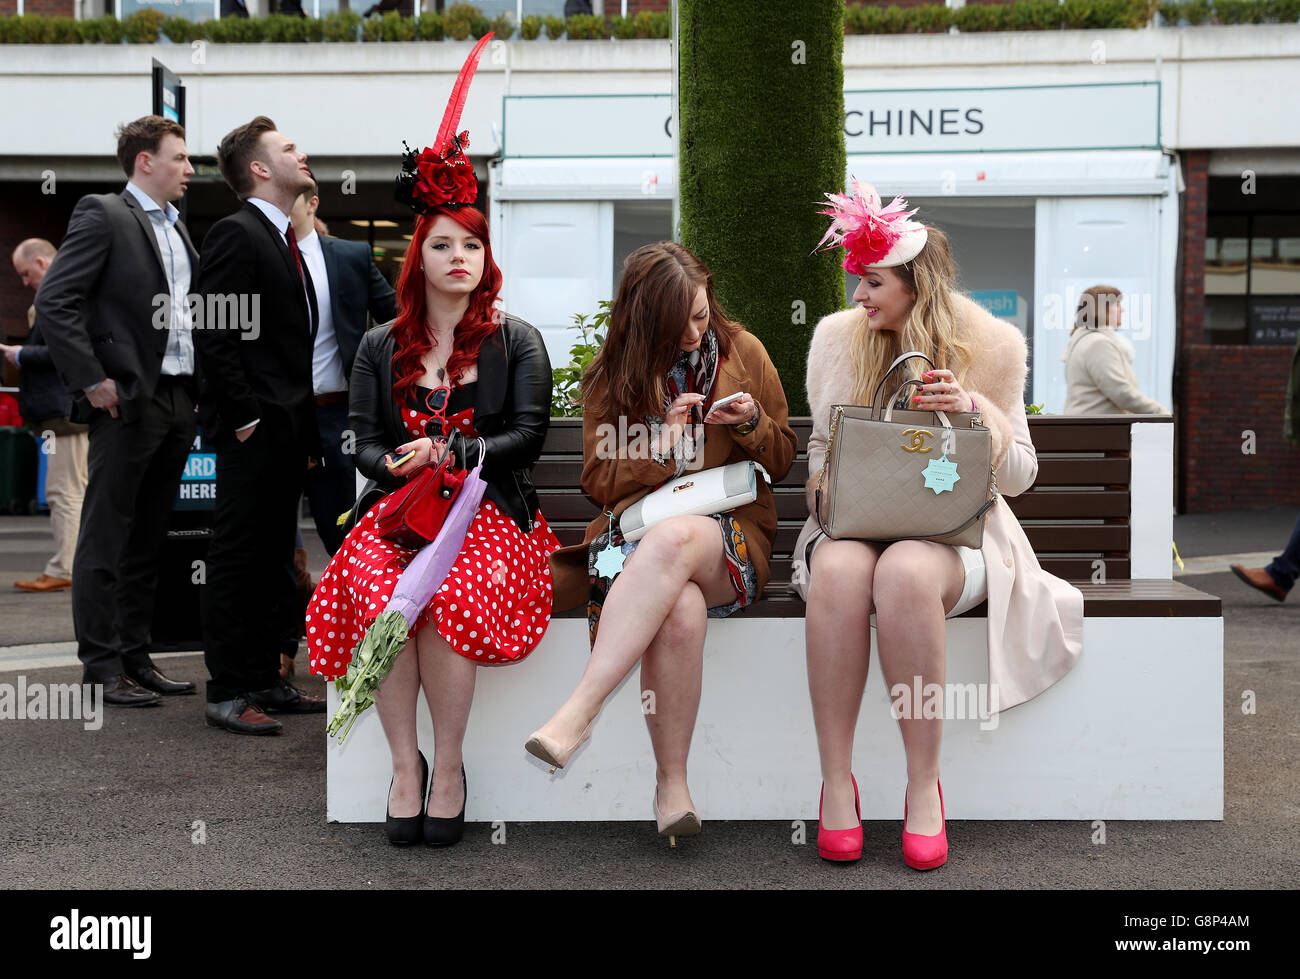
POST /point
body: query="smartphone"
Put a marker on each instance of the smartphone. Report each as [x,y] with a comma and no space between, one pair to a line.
[398,463]
[726,401]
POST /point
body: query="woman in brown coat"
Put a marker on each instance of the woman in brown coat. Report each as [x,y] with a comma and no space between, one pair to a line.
[670,354]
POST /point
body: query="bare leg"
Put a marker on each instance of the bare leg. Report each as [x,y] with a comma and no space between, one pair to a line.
[673,553]
[395,704]
[838,638]
[448,681]
[671,672]
[916,582]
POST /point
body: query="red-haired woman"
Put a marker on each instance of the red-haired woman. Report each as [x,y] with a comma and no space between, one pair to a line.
[452,369]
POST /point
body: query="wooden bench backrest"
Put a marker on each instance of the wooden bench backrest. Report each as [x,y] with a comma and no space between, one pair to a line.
[1076,513]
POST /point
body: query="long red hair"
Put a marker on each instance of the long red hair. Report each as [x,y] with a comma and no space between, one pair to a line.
[411,331]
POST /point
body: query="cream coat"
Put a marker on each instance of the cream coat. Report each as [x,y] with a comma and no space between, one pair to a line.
[1035,620]
[1099,377]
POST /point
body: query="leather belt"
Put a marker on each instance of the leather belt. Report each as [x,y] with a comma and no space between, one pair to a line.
[332,398]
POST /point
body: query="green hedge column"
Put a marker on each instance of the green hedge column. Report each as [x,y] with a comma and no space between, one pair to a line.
[762,139]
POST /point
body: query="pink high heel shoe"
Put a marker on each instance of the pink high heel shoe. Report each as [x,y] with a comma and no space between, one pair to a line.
[921,852]
[840,844]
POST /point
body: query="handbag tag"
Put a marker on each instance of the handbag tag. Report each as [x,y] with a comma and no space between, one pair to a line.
[609,562]
[940,475]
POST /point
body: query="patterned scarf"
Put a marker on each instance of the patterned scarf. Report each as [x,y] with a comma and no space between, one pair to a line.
[694,372]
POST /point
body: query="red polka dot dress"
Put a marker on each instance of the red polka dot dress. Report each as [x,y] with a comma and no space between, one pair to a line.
[494,605]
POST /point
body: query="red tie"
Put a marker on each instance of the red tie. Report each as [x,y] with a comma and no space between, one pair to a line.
[292,239]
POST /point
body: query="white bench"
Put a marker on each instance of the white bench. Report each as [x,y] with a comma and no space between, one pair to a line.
[1135,731]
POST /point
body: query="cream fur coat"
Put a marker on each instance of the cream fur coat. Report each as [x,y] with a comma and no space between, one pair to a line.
[1035,620]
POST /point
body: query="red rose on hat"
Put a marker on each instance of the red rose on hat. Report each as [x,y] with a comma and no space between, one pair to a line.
[441,182]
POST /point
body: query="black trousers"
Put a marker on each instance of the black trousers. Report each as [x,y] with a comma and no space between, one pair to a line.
[249,569]
[133,470]
[332,485]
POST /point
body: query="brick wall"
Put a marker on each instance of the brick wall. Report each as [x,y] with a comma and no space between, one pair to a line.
[46,8]
[1196,170]
[1234,389]
[634,7]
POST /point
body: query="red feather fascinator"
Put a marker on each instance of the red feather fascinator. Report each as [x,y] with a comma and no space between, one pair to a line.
[442,175]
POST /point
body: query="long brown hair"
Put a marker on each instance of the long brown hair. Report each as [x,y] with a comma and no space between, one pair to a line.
[931,325]
[646,322]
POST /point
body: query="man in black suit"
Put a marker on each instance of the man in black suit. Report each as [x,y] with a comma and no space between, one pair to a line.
[257,408]
[348,286]
[114,313]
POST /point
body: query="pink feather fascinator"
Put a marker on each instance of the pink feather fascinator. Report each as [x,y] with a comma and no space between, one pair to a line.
[871,235]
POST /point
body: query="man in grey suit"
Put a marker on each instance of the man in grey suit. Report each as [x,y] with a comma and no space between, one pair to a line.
[116,318]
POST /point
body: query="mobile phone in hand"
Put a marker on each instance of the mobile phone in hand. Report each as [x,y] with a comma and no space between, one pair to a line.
[723,402]
[398,463]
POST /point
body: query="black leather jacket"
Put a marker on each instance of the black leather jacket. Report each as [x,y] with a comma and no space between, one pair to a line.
[512,411]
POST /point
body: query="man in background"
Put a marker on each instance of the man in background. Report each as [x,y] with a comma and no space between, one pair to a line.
[348,287]
[45,403]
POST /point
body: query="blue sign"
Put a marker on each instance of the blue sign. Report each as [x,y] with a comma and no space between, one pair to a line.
[999,302]
[198,486]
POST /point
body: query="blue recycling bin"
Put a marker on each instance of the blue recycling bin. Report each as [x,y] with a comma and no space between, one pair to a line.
[42,468]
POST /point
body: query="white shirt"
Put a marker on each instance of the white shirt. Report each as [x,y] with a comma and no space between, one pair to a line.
[327,375]
[276,216]
[178,359]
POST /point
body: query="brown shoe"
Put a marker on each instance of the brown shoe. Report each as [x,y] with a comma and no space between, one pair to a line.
[45,583]
[238,716]
[1261,579]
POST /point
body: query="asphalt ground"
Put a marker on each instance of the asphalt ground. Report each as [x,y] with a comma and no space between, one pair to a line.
[121,807]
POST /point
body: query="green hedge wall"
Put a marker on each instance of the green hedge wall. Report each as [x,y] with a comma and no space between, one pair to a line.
[462,21]
[459,22]
[762,139]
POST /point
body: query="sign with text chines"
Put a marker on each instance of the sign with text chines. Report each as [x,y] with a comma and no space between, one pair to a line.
[963,120]
[1121,115]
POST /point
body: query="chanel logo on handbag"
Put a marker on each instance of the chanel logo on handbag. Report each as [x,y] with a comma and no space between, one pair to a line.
[683,486]
[918,440]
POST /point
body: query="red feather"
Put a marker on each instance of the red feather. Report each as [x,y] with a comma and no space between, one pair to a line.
[459,93]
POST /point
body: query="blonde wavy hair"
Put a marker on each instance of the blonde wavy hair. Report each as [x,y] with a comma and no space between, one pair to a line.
[931,325]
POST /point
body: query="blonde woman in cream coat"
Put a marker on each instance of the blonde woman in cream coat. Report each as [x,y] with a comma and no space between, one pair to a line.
[1035,620]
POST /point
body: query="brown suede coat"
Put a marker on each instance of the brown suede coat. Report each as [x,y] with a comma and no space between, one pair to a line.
[617,480]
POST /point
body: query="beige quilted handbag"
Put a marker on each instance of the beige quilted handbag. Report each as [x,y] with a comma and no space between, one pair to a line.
[905,474]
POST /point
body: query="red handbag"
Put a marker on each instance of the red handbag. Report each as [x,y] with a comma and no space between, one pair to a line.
[412,515]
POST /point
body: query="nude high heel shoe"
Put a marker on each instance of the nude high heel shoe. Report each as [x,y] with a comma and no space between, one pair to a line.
[549,750]
[684,822]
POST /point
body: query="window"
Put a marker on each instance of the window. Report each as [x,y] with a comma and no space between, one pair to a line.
[1252,261]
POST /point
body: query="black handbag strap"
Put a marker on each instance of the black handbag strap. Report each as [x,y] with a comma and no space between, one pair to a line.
[900,359]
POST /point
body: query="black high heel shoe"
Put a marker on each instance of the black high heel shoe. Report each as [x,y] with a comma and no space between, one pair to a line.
[445,830]
[406,829]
